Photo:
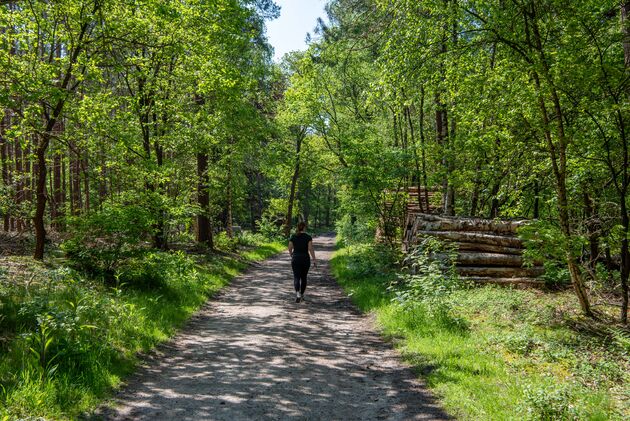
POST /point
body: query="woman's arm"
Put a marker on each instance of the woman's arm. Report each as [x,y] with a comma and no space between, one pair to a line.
[291,248]
[311,251]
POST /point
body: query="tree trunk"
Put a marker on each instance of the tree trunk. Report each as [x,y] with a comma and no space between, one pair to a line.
[625,181]
[75,183]
[328,203]
[494,200]
[204,226]
[86,182]
[58,199]
[557,154]
[474,198]
[500,272]
[4,152]
[423,154]
[40,207]
[294,180]
[592,230]
[159,238]
[536,214]
[228,214]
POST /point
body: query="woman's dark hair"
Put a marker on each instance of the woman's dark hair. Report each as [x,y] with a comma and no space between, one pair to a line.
[301,226]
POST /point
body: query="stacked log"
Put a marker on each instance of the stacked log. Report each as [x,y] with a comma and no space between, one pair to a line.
[488,250]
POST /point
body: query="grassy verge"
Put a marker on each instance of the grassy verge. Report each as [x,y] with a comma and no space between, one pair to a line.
[514,354]
[66,341]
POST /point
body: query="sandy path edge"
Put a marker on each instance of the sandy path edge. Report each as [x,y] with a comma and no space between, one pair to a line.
[252,353]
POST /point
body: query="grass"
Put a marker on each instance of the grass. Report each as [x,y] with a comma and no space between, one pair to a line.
[67,342]
[513,354]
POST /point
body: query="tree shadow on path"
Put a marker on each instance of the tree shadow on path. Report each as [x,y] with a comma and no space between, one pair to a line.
[253,353]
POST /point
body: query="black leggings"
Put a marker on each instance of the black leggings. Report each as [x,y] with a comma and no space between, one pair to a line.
[300,266]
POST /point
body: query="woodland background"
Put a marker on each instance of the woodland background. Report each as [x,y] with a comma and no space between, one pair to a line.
[131,129]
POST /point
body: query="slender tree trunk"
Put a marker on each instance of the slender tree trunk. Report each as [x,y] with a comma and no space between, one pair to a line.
[102,179]
[204,226]
[536,214]
[625,181]
[328,204]
[592,234]
[625,31]
[418,176]
[427,205]
[294,180]
[557,154]
[19,184]
[474,198]
[76,182]
[4,149]
[86,182]
[57,202]
[228,215]
[159,238]
[40,207]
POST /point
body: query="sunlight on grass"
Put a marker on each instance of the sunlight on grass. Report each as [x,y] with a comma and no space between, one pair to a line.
[517,358]
[97,331]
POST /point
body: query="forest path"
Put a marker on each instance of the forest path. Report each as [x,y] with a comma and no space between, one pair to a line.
[252,353]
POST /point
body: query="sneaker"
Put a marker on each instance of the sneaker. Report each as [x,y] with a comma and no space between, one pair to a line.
[298,297]
[302,298]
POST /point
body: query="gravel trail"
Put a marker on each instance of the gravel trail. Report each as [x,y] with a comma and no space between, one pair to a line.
[252,353]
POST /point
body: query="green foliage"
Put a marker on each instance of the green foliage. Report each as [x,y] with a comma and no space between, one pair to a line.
[225,243]
[513,354]
[101,241]
[549,403]
[269,228]
[354,231]
[428,280]
[73,340]
[152,270]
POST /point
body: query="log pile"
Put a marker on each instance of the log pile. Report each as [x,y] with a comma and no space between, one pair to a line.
[489,251]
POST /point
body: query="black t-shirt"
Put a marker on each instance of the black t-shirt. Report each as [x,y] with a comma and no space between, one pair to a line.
[300,243]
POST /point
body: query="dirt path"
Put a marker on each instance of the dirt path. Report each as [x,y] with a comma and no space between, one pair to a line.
[252,353]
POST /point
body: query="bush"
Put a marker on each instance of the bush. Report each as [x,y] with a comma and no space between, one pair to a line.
[549,404]
[152,270]
[372,259]
[102,240]
[225,243]
[354,232]
[428,279]
[250,239]
[269,228]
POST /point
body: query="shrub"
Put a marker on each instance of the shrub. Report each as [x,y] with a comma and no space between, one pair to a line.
[354,232]
[269,228]
[153,269]
[428,279]
[549,404]
[225,243]
[250,239]
[372,259]
[102,240]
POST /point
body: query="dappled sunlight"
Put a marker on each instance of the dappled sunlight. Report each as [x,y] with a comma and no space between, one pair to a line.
[253,353]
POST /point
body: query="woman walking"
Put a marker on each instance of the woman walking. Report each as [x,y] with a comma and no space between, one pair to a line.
[301,251]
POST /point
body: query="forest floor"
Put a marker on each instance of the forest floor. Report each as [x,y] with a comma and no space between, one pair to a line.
[497,353]
[253,353]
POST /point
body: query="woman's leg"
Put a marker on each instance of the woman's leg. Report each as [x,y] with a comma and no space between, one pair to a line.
[297,274]
[303,275]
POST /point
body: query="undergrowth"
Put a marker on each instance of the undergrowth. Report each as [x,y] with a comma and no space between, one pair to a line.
[68,340]
[492,353]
